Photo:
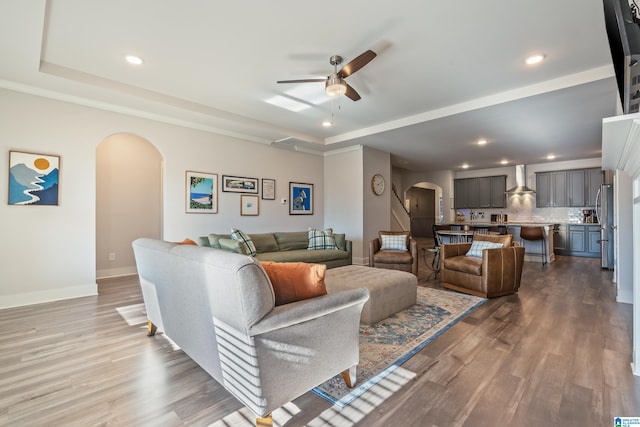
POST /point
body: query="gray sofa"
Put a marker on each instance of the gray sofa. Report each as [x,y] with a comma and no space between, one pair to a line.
[285,246]
[219,307]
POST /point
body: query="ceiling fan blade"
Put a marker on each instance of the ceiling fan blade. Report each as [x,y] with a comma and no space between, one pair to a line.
[351,93]
[357,63]
[302,81]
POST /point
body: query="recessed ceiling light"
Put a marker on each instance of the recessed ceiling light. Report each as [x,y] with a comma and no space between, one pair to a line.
[465,166]
[133,59]
[327,123]
[534,59]
[504,162]
[551,156]
[481,141]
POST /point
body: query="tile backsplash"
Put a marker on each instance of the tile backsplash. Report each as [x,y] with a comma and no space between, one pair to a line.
[522,208]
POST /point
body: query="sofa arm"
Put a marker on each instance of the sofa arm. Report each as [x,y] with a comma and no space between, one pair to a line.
[502,268]
[450,250]
[303,311]
[413,248]
[374,246]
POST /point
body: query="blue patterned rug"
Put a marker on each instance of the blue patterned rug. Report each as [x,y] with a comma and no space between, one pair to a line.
[386,345]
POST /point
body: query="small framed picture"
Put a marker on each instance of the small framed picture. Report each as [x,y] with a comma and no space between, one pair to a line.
[249,205]
[268,189]
[300,198]
[34,179]
[201,192]
[238,184]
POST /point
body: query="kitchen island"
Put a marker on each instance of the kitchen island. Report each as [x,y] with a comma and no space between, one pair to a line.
[533,250]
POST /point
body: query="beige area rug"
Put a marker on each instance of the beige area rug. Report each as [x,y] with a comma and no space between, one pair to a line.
[386,345]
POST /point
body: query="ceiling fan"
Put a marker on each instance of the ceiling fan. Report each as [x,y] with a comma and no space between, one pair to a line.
[335,84]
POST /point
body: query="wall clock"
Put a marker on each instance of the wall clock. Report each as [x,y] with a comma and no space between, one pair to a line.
[377,184]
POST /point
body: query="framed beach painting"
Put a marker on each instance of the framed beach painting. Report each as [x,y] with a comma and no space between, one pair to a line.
[201,192]
[238,184]
[34,179]
[300,198]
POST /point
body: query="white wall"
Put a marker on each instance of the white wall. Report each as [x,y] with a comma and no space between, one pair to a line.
[343,171]
[128,200]
[49,252]
[377,209]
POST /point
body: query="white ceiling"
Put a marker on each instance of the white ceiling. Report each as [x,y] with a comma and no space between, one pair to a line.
[446,74]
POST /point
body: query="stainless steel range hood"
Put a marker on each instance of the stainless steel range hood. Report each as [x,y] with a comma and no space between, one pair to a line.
[521,182]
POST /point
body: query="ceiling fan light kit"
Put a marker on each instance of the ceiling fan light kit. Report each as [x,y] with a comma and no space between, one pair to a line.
[334,84]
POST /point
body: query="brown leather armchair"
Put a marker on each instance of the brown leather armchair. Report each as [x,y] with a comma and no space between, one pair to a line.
[405,259]
[497,273]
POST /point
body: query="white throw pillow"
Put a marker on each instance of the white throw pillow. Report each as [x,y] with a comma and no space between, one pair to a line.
[478,246]
[393,242]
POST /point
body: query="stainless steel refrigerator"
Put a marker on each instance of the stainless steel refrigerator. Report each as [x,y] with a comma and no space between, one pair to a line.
[604,215]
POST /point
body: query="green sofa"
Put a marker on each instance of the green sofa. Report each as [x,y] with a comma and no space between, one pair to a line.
[285,246]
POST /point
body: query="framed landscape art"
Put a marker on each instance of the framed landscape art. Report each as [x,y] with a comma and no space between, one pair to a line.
[34,179]
[300,198]
[237,184]
[201,192]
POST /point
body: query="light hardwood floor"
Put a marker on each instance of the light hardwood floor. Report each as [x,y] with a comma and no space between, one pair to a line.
[556,354]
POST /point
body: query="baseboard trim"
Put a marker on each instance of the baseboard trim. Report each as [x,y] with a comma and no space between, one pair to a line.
[30,298]
[116,272]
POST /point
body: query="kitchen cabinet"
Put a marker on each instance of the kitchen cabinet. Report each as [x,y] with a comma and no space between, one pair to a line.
[481,192]
[460,193]
[576,188]
[498,185]
[567,188]
[583,240]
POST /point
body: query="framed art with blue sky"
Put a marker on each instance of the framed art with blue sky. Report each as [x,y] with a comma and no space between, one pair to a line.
[300,198]
[34,179]
[201,192]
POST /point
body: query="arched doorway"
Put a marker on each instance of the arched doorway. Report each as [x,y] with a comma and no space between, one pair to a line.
[128,200]
[424,202]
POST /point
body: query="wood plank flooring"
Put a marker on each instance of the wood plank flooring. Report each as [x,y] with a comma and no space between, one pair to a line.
[556,354]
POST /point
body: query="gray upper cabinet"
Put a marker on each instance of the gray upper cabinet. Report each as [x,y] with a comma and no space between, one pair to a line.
[576,188]
[568,188]
[498,186]
[482,192]
[543,189]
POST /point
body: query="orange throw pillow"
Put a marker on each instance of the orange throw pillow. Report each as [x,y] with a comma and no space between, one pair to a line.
[187,242]
[295,281]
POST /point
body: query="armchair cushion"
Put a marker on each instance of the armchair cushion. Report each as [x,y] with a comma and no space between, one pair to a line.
[505,239]
[477,246]
[295,281]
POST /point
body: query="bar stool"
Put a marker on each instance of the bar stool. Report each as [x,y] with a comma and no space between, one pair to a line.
[534,234]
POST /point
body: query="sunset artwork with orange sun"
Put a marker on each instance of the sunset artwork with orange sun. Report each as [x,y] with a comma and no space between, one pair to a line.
[33,179]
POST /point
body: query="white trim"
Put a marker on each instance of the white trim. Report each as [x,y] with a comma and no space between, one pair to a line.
[39,297]
[116,272]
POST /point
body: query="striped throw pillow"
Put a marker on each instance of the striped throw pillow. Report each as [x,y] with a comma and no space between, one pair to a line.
[248,246]
[319,239]
[478,246]
[393,242]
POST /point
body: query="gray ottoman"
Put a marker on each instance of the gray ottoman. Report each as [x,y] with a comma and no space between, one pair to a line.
[390,291]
